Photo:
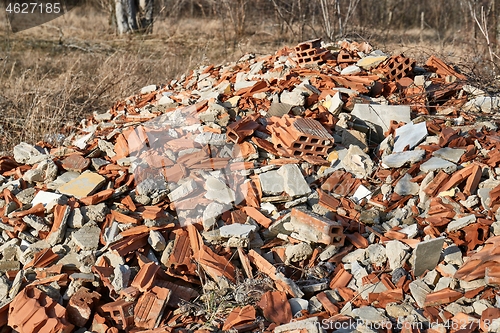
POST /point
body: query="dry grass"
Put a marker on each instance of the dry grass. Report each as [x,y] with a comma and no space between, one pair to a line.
[55,74]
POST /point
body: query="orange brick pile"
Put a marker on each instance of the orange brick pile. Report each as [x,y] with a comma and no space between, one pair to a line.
[314,190]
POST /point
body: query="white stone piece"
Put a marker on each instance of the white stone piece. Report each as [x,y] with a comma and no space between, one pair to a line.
[217,190]
[46,198]
[272,182]
[427,254]
[437,163]
[397,160]
[419,291]
[350,70]
[450,154]
[156,240]
[237,230]
[361,193]
[406,187]
[460,223]
[396,253]
[294,183]
[358,162]
[409,135]
[382,115]
[148,89]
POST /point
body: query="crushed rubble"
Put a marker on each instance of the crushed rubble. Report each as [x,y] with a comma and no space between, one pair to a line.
[321,188]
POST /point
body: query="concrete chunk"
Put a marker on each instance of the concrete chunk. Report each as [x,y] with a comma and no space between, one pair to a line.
[293,180]
[182,191]
[396,253]
[87,237]
[350,70]
[36,222]
[409,135]
[354,137]
[310,325]
[460,223]
[334,104]
[295,97]
[437,163]
[453,255]
[381,116]
[84,185]
[297,252]
[23,152]
[122,277]
[485,104]
[397,160]
[272,182]
[237,230]
[148,89]
[419,291]
[449,154]
[45,171]
[211,214]
[358,162]
[217,190]
[209,138]
[427,255]
[369,314]
[406,187]
[377,254]
[150,187]
[156,240]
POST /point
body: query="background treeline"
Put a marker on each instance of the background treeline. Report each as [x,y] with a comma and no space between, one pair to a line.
[473,22]
[300,19]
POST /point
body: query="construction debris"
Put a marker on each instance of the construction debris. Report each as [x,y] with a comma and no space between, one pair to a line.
[322,188]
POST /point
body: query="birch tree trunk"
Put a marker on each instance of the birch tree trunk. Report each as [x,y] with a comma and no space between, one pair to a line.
[134,16]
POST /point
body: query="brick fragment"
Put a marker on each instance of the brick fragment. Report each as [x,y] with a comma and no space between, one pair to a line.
[443,296]
[397,67]
[357,240]
[316,228]
[75,162]
[258,216]
[144,280]
[121,312]
[311,52]
[438,66]
[487,316]
[80,306]
[239,316]
[33,311]
[150,306]
[438,182]
[42,259]
[239,130]
[341,279]
[300,136]
[275,306]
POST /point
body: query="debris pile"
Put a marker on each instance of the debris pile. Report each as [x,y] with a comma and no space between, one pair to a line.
[322,188]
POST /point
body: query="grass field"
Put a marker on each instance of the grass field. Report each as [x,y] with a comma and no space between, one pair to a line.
[54,75]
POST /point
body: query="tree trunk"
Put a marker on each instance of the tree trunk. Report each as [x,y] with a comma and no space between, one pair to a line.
[121,16]
[146,15]
[496,25]
[134,16]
